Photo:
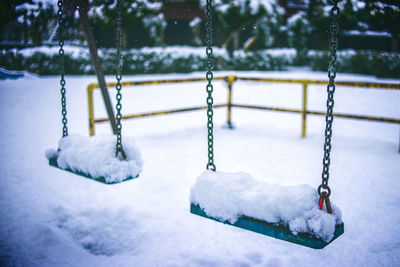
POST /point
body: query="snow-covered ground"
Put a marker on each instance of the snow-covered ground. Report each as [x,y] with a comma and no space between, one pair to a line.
[54,218]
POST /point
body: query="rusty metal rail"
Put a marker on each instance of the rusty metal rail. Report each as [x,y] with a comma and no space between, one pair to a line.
[230,80]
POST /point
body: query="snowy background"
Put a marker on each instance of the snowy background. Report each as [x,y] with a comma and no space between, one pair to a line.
[54,218]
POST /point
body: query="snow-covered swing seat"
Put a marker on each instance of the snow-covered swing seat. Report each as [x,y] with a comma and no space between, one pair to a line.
[288,213]
[94,158]
[298,214]
[101,158]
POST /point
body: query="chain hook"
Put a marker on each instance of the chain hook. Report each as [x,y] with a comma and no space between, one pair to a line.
[325,198]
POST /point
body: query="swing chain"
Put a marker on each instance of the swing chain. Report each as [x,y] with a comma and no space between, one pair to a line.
[333,43]
[60,21]
[118,86]
[209,87]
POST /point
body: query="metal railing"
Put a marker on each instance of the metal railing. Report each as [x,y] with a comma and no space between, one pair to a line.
[230,80]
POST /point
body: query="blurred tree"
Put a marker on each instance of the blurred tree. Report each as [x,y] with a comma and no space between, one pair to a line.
[299,32]
[135,28]
[9,15]
[39,19]
[382,15]
[237,24]
[379,16]
[241,23]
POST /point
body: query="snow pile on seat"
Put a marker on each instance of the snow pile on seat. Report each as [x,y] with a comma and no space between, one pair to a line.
[95,156]
[228,196]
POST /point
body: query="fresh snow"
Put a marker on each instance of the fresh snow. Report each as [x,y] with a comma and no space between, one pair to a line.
[254,5]
[178,51]
[76,51]
[367,33]
[228,196]
[95,156]
[72,50]
[50,217]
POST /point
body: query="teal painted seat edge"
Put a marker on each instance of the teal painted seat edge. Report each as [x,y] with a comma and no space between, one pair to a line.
[274,230]
[53,162]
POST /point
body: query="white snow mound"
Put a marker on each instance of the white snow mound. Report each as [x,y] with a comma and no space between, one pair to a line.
[228,196]
[95,156]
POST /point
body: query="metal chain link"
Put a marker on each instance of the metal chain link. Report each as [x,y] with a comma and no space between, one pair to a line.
[334,28]
[118,86]
[60,21]
[209,87]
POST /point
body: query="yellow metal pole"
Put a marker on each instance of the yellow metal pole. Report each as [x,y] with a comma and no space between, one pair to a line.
[164,112]
[230,80]
[304,111]
[90,108]
[351,84]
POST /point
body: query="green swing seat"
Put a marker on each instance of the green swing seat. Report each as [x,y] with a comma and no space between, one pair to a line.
[53,162]
[277,231]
